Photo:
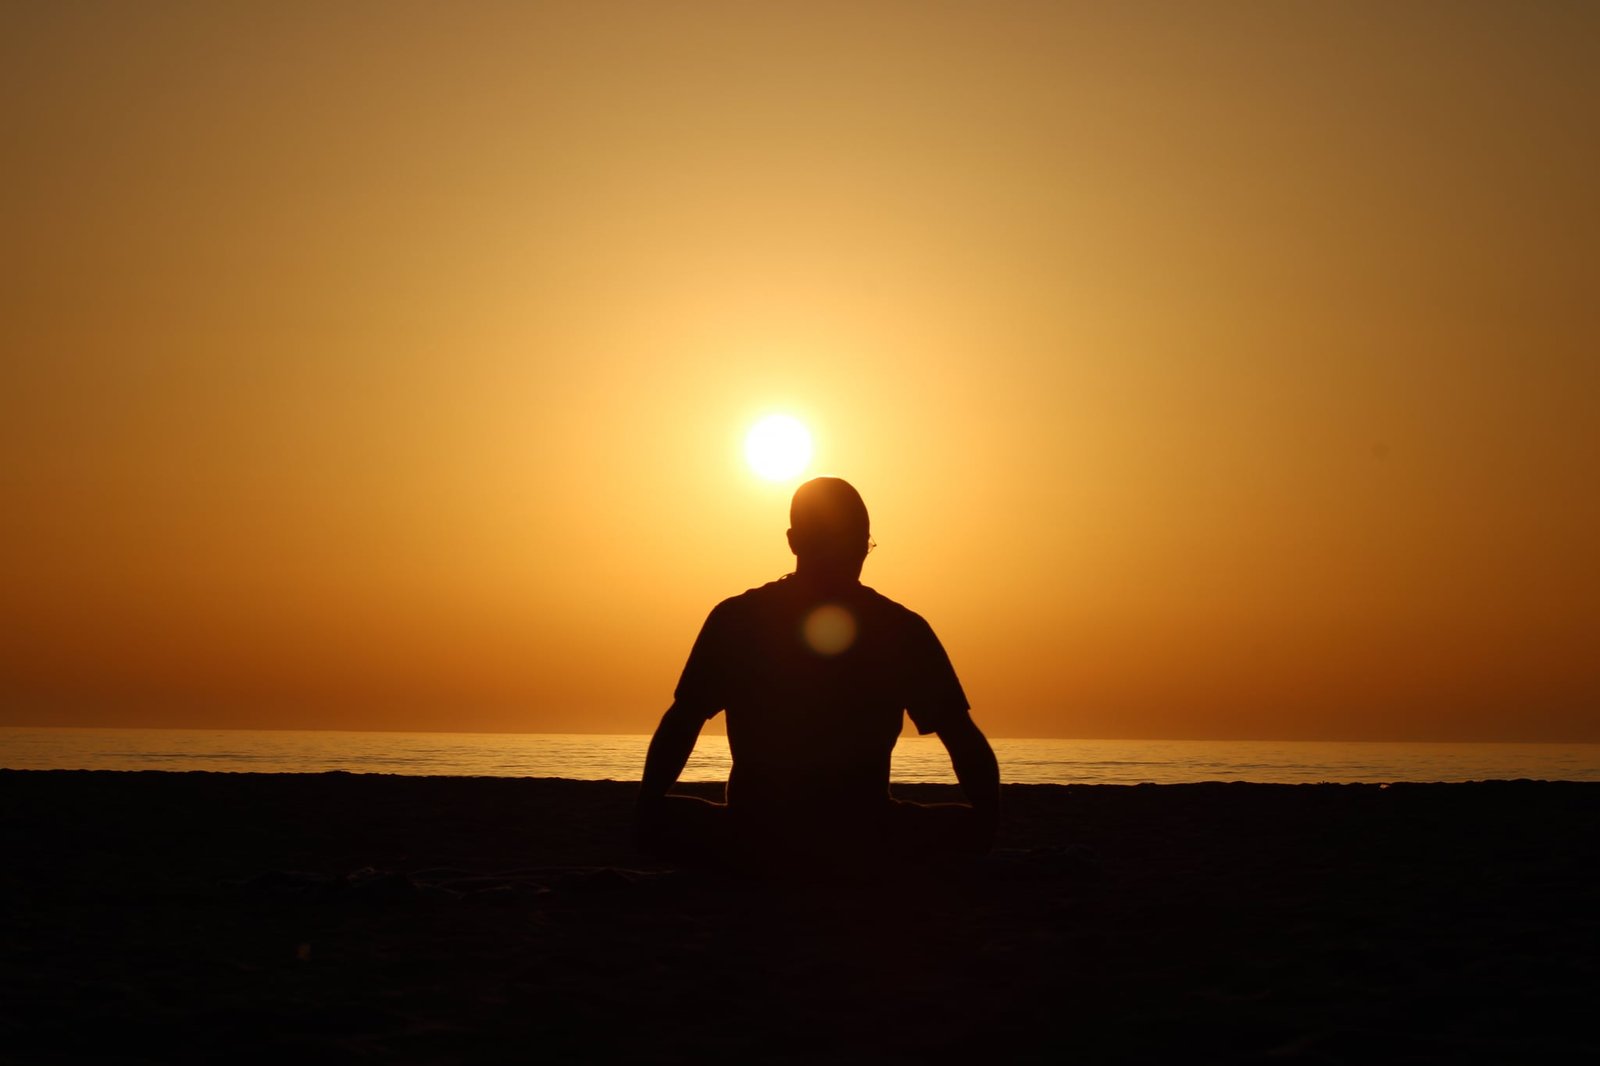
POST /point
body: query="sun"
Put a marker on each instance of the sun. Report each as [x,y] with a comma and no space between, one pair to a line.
[778,447]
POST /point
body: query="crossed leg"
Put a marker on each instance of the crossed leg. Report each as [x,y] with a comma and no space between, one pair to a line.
[691,831]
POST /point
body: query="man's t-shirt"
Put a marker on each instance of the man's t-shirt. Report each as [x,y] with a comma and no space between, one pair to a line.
[814,684]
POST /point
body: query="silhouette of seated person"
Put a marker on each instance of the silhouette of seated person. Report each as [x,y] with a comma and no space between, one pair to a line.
[814,672]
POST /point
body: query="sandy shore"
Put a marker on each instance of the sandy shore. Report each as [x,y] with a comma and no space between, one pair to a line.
[335,917]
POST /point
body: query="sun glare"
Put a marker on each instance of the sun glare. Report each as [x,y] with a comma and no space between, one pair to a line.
[778,447]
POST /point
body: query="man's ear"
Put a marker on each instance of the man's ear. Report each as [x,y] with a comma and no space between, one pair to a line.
[789,534]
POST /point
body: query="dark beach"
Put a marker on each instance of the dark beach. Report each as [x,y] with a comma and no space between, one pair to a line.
[333,917]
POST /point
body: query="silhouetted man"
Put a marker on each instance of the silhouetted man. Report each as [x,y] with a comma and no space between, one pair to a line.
[815,671]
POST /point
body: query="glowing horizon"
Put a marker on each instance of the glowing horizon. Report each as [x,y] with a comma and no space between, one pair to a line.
[1205,375]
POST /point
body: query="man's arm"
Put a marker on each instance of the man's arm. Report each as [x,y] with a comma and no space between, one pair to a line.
[670,749]
[975,766]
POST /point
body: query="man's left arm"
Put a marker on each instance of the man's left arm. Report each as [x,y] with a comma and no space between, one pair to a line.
[669,752]
[976,769]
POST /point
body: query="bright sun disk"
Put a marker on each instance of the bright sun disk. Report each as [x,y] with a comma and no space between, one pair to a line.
[778,447]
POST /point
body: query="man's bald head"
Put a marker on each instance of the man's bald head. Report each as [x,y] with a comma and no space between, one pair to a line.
[828,524]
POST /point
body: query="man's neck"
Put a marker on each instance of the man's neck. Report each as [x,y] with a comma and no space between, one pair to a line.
[825,577]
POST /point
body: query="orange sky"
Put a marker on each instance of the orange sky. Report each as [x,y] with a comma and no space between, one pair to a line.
[1210,370]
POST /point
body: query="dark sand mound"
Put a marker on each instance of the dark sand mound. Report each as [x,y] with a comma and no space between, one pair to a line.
[335,917]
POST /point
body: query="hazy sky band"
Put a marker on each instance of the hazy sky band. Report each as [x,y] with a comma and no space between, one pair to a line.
[1209,370]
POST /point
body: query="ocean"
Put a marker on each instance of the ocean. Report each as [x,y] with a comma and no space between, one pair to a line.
[600,757]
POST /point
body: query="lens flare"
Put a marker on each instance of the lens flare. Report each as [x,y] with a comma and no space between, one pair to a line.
[829,629]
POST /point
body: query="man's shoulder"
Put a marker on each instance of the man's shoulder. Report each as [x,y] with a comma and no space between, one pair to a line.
[785,595]
[877,601]
[748,600]
[758,594]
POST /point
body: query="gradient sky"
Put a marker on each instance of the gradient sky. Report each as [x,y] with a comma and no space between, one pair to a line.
[1210,370]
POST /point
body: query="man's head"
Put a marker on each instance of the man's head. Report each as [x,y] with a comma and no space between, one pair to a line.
[829,530]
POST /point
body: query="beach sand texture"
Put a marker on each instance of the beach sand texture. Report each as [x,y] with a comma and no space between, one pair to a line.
[170,917]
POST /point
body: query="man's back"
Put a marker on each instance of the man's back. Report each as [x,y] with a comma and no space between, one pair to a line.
[814,679]
[815,671]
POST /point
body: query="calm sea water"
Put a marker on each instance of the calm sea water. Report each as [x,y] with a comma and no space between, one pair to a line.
[621,758]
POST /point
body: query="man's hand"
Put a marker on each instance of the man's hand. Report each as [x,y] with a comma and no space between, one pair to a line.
[669,752]
[975,766]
